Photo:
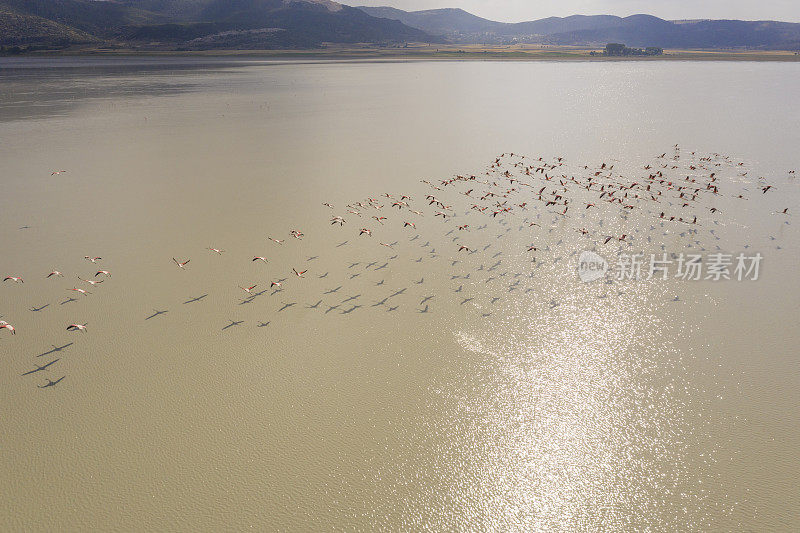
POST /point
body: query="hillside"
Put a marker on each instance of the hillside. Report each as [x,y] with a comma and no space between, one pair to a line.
[637,30]
[97,18]
[187,24]
[21,29]
[643,30]
[449,22]
[551,25]
[294,24]
[460,25]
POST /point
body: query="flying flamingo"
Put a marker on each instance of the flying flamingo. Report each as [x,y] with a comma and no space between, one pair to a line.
[276,284]
[277,241]
[367,231]
[181,265]
[104,272]
[299,274]
[57,172]
[92,259]
[14,279]
[406,224]
[77,327]
[248,289]
[262,259]
[55,273]
[80,291]
[9,327]
[92,283]
[216,251]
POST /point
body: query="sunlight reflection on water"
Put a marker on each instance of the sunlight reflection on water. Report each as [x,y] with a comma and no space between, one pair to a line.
[577,416]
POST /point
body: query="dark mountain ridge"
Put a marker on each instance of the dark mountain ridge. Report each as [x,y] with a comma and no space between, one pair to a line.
[454,22]
[596,30]
[216,23]
[266,24]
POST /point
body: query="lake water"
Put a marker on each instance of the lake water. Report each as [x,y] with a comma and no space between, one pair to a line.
[516,398]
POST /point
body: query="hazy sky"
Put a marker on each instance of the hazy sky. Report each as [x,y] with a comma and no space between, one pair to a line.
[520,10]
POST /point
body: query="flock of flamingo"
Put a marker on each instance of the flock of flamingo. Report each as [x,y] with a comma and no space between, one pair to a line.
[559,210]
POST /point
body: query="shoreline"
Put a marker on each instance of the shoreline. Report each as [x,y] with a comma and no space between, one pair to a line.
[425,53]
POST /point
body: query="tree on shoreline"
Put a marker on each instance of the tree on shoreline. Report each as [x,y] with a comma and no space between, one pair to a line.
[619,50]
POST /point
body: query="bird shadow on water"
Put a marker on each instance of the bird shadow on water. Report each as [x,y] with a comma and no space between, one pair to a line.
[51,383]
[250,299]
[41,368]
[55,349]
[233,323]
[37,309]
[156,312]
[195,299]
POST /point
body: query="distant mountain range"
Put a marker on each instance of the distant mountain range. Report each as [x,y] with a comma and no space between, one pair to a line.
[196,24]
[460,26]
[269,24]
